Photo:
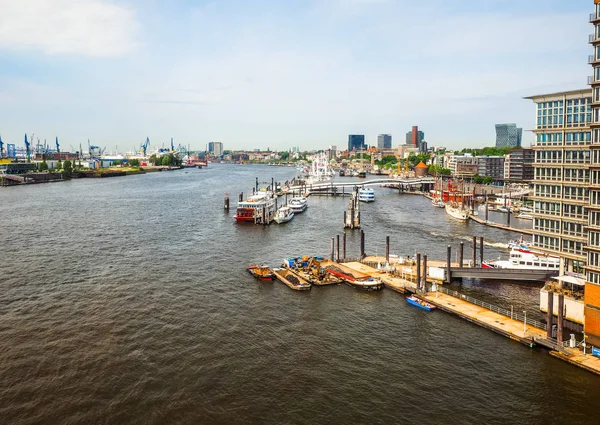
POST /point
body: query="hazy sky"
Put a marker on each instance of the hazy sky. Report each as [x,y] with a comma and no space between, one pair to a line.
[282,73]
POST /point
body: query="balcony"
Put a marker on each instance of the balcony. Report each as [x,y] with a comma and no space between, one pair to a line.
[593,38]
[594,17]
[590,79]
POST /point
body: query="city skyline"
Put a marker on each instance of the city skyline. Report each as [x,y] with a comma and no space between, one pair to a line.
[282,75]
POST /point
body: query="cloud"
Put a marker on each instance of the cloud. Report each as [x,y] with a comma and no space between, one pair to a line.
[97,28]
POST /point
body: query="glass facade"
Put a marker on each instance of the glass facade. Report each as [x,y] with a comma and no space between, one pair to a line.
[356,142]
[508,136]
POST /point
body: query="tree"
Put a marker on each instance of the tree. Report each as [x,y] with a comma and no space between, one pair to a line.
[59,165]
[117,162]
[438,170]
[68,168]
[43,166]
[166,160]
[488,180]
[134,163]
[153,159]
[284,156]
[477,179]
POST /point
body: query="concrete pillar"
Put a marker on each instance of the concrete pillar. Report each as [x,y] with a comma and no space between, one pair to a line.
[387,249]
[559,322]
[344,246]
[474,251]
[461,253]
[550,314]
[448,264]
[418,270]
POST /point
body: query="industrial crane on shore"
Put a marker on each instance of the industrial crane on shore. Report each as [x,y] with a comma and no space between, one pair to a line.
[144,147]
[28,148]
[57,146]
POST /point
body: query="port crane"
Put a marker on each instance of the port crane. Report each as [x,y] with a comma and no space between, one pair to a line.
[145,145]
[27,148]
[57,146]
[172,146]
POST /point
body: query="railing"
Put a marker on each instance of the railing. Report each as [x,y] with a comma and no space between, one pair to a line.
[590,79]
[593,17]
[591,59]
[499,310]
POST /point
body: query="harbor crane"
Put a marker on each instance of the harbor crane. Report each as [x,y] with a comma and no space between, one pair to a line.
[27,148]
[57,146]
[144,147]
[172,146]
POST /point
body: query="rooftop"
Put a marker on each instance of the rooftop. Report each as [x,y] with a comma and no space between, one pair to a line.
[581,92]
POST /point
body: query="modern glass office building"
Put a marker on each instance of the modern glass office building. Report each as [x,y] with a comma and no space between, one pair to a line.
[508,136]
[384,141]
[356,142]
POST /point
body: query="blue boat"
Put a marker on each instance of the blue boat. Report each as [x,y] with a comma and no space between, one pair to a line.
[420,303]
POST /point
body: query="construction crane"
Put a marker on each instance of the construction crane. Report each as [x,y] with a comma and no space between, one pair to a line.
[57,146]
[27,148]
[172,146]
[145,145]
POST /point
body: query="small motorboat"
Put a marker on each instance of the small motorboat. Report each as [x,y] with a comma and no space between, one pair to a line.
[524,216]
[362,174]
[260,272]
[420,303]
[283,215]
[438,203]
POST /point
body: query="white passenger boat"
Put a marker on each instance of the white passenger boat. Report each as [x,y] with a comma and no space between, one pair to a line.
[455,210]
[298,204]
[519,259]
[258,208]
[524,216]
[366,195]
[284,214]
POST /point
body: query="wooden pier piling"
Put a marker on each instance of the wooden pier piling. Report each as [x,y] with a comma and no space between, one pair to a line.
[226,205]
[338,248]
[508,217]
[362,244]
[474,252]
[332,256]
[418,270]
[387,250]
[461,253]
[344,247]
[481,251]
[424,272]
[550,315]
[449,264]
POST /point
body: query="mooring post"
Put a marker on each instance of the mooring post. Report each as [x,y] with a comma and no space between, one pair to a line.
[256,185]
[508,217]
[559,324]
[550,314]
[449,264]
[424,272]
[461,253]
[486,210]
[418,270]
[387,250]
[226,206]
[273,185]
[358,218]
[344,246]
[345,218]
[481,250]
[474,252]
[332,249]
[338,248]
[362,244]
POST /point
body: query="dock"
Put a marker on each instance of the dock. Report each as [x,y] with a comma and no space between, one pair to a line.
[500,226]
[352,277]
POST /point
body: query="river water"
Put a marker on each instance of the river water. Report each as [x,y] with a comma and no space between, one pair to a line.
[126,300]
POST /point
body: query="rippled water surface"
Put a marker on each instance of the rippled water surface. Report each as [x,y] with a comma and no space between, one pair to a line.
[126,300]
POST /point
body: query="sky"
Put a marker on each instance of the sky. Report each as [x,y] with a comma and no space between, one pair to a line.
[258,74]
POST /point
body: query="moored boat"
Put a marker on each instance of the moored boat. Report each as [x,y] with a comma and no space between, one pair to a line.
[525,260]
[454,210]
[366,195]
[291,279]
[362,174]
[524,216]
[260,272]
[258,208]
[420,303]
[298,204]
[438,203]
[283,215]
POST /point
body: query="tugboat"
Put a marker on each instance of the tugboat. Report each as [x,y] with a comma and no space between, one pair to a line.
[260,272]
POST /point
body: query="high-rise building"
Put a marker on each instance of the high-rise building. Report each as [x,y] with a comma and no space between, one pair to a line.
[415,137]
[508,136]
[217,149]
[384,141]
[356,142]
[592,243]
[211,147]
[491,166]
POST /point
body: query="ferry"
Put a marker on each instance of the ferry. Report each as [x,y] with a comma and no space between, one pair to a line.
[298,204]
[420,303]
[258,208]
[366,195]
[454,210]
[523,260]
[284,214]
